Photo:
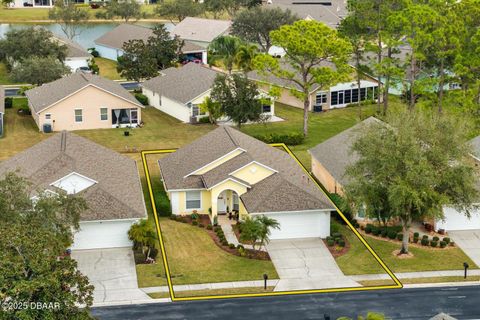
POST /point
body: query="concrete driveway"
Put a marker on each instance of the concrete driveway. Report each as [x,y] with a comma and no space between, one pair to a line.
[469,242]
[112,272]
[304,264]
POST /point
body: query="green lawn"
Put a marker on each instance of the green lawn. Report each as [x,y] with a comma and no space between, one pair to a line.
[425,259]
[210,292]
[421,280]
[4,76]
[108,68]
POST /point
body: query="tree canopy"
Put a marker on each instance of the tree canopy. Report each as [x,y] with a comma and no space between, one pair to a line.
[125,9]
[179,9]
[137,62]
[38,70]
[71,18]
[225,48]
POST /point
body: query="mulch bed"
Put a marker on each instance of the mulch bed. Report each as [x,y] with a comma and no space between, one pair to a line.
[337,251]
[451,245]
[205,221]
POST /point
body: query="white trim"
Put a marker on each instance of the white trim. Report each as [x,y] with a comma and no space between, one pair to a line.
[179,190]
[73,173]
[255,162]
[190,101]
[292,212]
[101,113]
[75,115]
[231,179]
[474,157]
[222,157]
[111,220]
[89,84]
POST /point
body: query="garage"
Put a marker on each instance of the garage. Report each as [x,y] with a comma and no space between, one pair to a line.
[301,224]
[102,234]
[455,220]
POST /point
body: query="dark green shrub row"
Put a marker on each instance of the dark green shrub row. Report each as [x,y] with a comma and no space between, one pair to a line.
[204,120]
[291,139]
[8,102]
[143,99]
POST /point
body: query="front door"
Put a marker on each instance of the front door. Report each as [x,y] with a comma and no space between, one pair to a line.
[222,203]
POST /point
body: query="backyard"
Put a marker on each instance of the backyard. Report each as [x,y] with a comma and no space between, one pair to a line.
[107,68]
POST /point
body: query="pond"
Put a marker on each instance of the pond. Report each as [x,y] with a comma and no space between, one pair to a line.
[90,31]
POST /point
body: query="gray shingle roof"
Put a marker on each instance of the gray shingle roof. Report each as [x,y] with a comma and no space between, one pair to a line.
[182,84]
[74,50]
[124,32]
[475,142]
[48,94]
[2,100]
[334,154]
[289,189]
[117,194]
[200,29]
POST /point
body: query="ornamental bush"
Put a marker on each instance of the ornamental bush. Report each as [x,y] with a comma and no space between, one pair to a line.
[434,243]
[425,237]
[194,222]
[399,236]
[392,234]
[383,233]
[435,238]
[330,242]
[291,139]
[443,244]
[143,99]
[341,243]
[416,234]
[425,242]
[446,240]
[209,227]
[231,246]
[368,229]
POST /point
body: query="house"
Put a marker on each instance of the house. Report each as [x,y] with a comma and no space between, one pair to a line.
[179,91]
[77,57]
[201,31]
[83,101]
[228,171]
[110,45]
[337,96]
[2,109]
[32,3]
[331,158]
[329,12]
[107,180]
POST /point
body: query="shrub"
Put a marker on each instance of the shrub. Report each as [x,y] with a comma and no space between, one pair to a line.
[435,238]
[446,240]
[8,102]
[153,253]
[392,234]
[204,120]
[329,238]
[173,217]
[240,247]
[337,235]
[376,231]
[425,242]
[224,242]
[94,52]
[425,237]
[217,228]
[415,240]
[194,215]
[209,227]
[143,99]
[334,228]
[341,243]
[416,234]
[231,246]
[242,252]
[368,229]
[330,242]
[292,139]
[194,222]
[383,233]
[443,244]
[433,243]
[399,236]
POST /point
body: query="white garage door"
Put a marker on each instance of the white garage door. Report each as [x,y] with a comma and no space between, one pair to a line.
[455,220]
[301,225]
[102,234]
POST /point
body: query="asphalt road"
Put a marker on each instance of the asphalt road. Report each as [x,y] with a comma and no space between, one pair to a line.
[412,304]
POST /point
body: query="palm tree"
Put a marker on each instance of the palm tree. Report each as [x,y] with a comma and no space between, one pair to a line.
[266,225]
[225,48]
[245,56]
[213,108]
[143,234]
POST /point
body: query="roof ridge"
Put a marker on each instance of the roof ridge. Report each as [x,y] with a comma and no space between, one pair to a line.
[234,141]
[114,197]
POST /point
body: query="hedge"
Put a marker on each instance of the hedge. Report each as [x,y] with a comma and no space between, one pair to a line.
[291,139]
[143,99]
[8,102]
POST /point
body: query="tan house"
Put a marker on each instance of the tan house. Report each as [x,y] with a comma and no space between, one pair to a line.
[83,101]
[227,171]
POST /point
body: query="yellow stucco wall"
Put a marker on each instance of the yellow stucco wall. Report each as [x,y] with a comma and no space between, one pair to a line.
[325,178]
[90,100]
[218,162]
[253,173]
[201,98]
[206,203]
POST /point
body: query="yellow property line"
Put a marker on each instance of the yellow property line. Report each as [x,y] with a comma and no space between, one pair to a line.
[397,284]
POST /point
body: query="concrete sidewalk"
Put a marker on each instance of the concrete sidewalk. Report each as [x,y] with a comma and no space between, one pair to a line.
[411,275]
[210,286]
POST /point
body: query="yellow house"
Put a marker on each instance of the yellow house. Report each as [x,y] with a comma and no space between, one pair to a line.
[227,171]
[83,101]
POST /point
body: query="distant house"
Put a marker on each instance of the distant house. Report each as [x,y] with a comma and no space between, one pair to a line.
[77,57]
[201,31]
[32,3]
[179,92]
[111,43]
[2,109]
[227,171]
[107,180]
[83,101]
[321,99]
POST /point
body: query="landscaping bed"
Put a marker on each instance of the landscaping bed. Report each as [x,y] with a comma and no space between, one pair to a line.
[215,232]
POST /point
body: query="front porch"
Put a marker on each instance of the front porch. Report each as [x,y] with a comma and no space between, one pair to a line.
[125,118]
[225,207]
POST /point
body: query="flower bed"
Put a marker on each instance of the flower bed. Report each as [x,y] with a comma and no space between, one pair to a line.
[337,244]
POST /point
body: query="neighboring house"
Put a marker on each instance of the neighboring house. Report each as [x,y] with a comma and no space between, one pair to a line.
[201,31]
[330,12]
[77,57]
[107,180]
[331,158]
[338,96]
[110,45]
[229,171]
[32,3]
[179,92]
[2,109]
[83,101]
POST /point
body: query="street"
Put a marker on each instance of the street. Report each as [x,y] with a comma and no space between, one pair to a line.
[419,303]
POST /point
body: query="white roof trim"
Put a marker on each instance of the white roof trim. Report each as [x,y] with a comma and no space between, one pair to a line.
[179,190]
[205,92]
[253,162]
[231,179]
[212,162]
[293,212]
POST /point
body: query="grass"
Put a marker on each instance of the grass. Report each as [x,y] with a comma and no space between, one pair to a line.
[209,292]
[108,68]
[4,76]
[420,280]
[424,259]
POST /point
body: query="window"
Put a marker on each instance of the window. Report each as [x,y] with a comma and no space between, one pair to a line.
[361,212]
[48,116]
[354,95]
[266,108]
[78,115]
[334,98]
[348,96]
[321,98]
[236,205]
[133,116]
[363,94]
[195,111]
[193,200]
[103,114]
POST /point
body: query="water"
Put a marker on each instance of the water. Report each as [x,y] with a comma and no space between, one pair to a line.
[90,31]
